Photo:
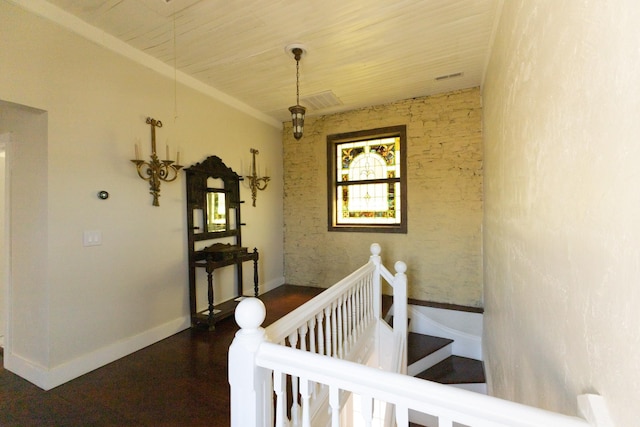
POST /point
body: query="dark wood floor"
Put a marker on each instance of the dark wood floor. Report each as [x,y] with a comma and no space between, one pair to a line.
[180,381]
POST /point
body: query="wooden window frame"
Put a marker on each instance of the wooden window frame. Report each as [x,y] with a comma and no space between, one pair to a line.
[390,131]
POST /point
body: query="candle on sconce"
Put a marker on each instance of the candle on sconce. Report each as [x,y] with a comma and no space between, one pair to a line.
[137,150]
[178,158]
[167,152]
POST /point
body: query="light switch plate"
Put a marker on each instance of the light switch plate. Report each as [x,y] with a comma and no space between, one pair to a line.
[92,238]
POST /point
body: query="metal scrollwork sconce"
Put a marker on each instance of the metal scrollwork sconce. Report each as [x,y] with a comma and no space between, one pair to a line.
[255,182]
[156,170]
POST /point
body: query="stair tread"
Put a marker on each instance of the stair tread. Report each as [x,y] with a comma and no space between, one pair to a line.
[455,370]
[420,345]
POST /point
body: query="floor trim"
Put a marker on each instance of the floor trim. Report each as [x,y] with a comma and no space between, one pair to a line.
[47,379]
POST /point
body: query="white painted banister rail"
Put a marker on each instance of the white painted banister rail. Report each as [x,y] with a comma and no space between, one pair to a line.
[449,404]
[344,321]
[333,322]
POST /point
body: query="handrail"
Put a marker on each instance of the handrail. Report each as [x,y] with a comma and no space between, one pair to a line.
[450,404]
[283,327]
[335,320]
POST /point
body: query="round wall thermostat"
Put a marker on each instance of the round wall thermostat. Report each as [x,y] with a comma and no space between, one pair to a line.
[103,195]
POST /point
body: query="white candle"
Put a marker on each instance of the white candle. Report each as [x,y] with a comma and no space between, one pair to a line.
[178,158]
[167,158]
[137,152]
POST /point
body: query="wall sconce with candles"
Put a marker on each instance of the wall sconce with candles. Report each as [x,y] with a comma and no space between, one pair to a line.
[255,182]
[156,170]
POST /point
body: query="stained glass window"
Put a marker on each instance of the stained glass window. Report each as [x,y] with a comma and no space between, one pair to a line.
[367,180]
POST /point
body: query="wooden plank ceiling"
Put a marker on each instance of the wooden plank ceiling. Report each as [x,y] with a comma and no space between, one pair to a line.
[359,52]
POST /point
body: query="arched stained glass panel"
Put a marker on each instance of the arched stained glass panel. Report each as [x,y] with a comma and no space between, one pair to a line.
[367,183]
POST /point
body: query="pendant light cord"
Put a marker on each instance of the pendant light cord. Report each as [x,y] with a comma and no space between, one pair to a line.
[175,69]
[297,80]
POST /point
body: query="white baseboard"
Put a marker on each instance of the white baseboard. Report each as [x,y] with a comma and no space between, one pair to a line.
[271,285]
[594,409]
[475,387]
[49,378]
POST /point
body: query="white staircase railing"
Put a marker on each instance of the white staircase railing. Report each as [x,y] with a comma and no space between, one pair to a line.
[316,357]
[448,405]
[344,322]
[334,322]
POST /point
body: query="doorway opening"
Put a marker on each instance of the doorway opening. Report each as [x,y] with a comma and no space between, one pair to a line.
[4,140]
[23,233]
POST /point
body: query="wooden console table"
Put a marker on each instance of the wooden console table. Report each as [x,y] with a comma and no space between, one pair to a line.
[217,256]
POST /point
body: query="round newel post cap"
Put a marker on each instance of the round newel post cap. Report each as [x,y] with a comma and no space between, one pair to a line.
[375,249]
[250,313]
[400,267]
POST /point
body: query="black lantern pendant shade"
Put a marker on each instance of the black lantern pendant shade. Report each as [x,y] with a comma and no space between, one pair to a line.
[297,119]
[297,111]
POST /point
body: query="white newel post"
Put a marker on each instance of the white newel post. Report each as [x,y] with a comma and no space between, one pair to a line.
[377,283]
[251,386]
[400,308]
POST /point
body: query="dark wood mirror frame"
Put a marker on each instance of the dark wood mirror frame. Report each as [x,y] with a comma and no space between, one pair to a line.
[197,197]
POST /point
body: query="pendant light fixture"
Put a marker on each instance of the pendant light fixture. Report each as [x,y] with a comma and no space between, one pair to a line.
[297,111]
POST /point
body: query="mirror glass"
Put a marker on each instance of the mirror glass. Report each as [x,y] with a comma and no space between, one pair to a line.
[232,219]
[216,212]
[198,221]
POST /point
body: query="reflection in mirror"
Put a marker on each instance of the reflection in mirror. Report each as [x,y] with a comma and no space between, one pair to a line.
[216,212]
[198,221]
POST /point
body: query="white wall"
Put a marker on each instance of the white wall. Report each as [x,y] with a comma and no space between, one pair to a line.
[4,140]
[562,206]
[99,303]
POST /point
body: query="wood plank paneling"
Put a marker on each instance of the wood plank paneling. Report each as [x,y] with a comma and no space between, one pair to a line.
[367,53]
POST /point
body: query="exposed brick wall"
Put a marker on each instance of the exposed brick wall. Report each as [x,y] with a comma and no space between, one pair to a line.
[443,246]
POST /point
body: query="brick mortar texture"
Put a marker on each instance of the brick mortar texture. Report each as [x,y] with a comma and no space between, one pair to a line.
[443,247]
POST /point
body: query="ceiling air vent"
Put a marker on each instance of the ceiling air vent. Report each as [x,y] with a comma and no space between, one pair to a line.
[320,101]
[449,76]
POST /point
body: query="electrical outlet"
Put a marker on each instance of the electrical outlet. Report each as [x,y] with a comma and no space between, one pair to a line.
[92,238]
